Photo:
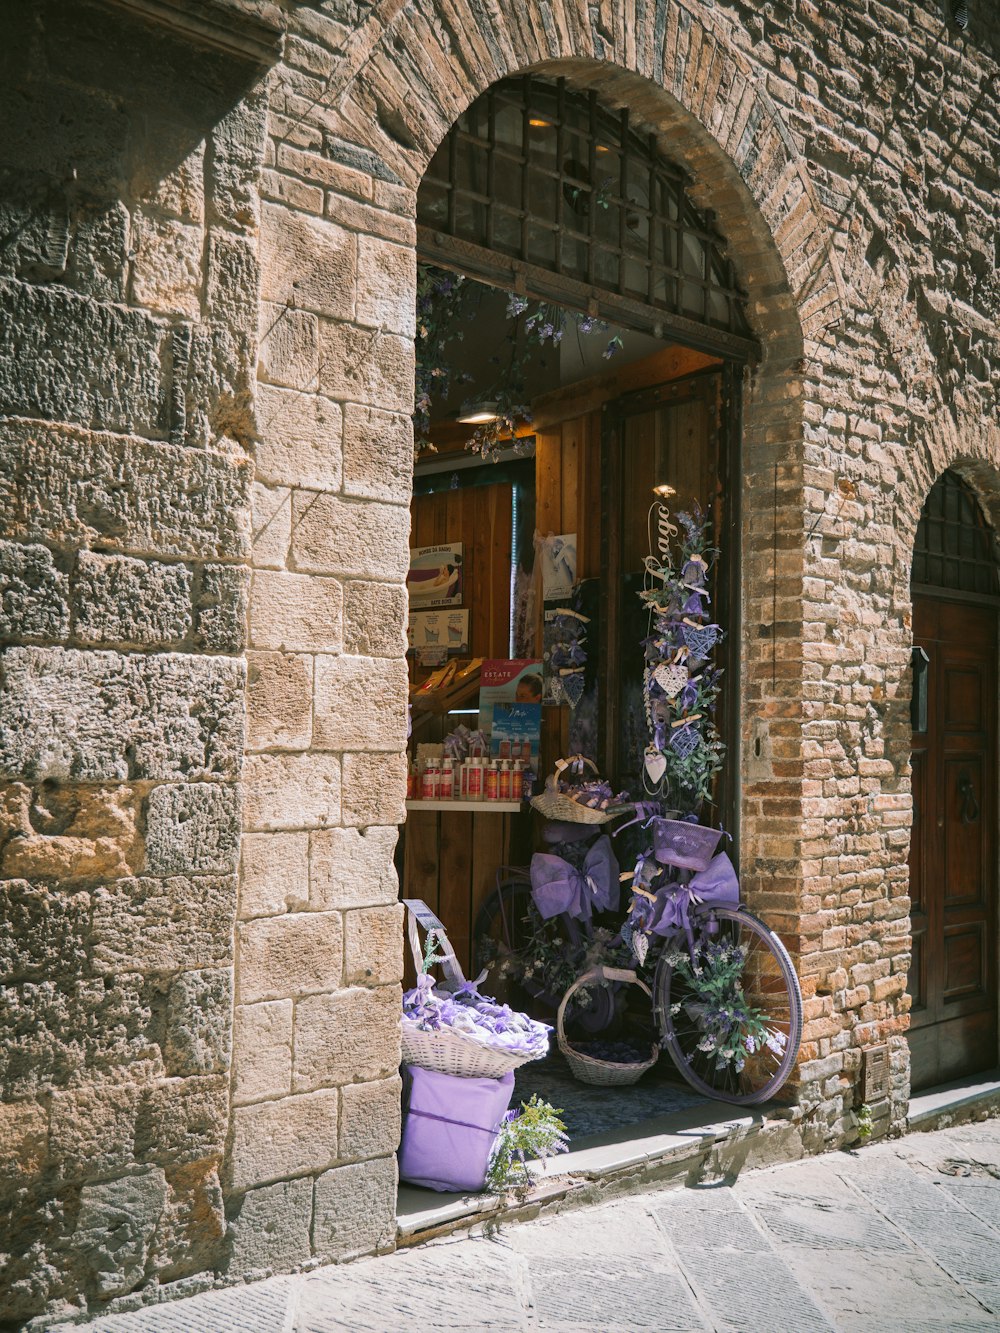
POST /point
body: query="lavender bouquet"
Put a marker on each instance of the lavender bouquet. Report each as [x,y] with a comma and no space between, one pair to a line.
[476,1017]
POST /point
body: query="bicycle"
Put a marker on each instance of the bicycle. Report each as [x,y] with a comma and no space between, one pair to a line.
[725,996]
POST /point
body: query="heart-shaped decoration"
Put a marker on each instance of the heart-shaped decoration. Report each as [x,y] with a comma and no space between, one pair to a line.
[655,764]
[671,678]
[572,686]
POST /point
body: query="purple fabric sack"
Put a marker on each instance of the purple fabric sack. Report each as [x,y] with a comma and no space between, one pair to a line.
[450,1127]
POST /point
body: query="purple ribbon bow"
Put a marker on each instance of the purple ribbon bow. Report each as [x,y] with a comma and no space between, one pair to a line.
[717,884]
[557,886]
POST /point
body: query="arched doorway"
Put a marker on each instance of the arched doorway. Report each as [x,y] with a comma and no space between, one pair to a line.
[953,850]
[546,199]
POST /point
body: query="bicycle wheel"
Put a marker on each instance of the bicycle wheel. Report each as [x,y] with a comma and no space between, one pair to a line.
[768,991]
[503,928]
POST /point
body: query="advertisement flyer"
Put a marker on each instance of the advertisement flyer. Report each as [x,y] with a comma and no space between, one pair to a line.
[508,681]
[516,734]
[435,577]
[446,630]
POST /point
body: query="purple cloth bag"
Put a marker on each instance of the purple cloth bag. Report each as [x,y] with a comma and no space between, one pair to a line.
[450,1127]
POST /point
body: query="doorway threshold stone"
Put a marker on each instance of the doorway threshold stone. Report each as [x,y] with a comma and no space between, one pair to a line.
[702,1145]
[955,1103]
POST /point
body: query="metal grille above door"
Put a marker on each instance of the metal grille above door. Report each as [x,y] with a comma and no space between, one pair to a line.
[536,182]
[955,547]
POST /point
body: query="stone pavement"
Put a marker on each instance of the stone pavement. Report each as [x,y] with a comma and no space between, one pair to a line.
[899,1236]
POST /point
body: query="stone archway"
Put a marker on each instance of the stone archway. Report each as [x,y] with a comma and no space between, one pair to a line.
[324,772]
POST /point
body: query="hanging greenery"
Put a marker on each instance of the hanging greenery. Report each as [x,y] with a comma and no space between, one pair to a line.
[447,305]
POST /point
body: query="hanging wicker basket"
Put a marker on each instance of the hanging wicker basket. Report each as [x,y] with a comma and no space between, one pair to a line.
[562,805]
[587,1068]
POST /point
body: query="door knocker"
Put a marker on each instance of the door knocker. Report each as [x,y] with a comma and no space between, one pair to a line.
[970,806]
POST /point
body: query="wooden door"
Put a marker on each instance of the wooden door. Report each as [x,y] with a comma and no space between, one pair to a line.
[953,850]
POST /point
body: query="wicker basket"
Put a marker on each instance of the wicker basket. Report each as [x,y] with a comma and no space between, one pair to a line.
[556,804]
[448,1052]
[586,1068]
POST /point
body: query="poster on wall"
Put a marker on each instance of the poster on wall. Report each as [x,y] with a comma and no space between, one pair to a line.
[557,554]
[435,576]
[517,731]
[439,632]
[506,680]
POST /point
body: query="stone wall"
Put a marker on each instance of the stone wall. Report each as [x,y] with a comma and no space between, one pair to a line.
[159,200]
[128,289]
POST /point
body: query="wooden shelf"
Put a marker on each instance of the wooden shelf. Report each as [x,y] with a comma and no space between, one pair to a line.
[477,807]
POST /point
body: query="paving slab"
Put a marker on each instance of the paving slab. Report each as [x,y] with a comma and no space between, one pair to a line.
[902,1237]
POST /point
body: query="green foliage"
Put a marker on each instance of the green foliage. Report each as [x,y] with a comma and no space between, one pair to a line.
[866,1125]
[537,1132]
[731,1028]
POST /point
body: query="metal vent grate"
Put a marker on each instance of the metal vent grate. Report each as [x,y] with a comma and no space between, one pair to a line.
[955,547]
[875,1073]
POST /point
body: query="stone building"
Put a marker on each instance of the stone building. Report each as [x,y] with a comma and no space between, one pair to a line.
[208,252]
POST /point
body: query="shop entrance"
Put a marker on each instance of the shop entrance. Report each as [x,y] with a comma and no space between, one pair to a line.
[581,340]
[953,849]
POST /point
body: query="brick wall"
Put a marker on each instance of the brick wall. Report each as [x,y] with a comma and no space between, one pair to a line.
[174,219]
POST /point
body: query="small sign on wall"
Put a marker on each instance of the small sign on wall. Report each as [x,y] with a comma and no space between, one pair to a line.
[435,577]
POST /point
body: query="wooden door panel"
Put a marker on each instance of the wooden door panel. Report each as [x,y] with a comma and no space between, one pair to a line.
[964,697]
[965,875]
[965,962]
[953,973]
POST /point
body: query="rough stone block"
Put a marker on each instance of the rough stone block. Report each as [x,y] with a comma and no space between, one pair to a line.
[360,703]
[296,611]
[66,832]
[274,874]
[373,945]
[279,701]
[64,485]
[125,352]
[349,1037]
[115,1228]
[167,265]
[199,1022]
[100,715]
[45,932]
[180,192]
[285,1138]
[378,454]
[331,535]
[387,285]
[193,1225]
[193,829]
[271,1228]
[214,374]
[370,1117]
[262,1051]
[299,440]
[24,1134]
[62,1030]
[374,789]
[183,1120]
[121,600]
[93,1129]
[308,261]
[355,1209]
[237,155]
[98,257]
[297,954]
[374,619]
[157,925]
[288,347]
[291,791]
[272,526]
[232,289]
[34,595]
[221,607]
[366,366]
[351,867]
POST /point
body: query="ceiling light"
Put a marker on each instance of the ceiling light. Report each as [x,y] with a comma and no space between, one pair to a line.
[664,492]
[477,413]
[540,124]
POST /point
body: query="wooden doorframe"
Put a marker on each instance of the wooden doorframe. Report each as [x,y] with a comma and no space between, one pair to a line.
[931,592]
